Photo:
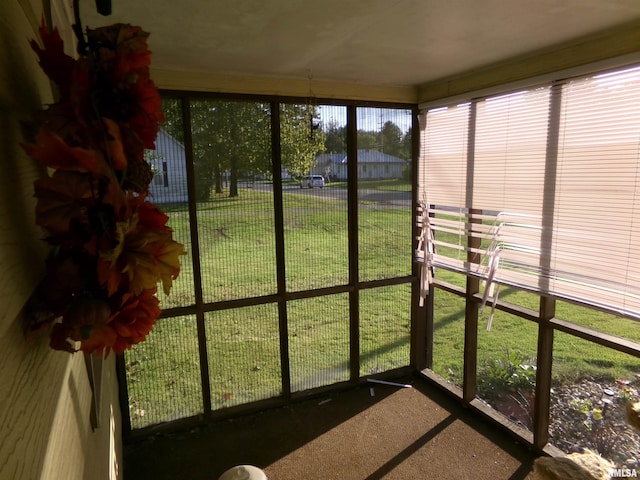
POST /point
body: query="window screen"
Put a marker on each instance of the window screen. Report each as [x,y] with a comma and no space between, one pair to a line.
[384,192]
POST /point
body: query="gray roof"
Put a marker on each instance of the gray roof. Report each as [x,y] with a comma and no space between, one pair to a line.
[364,156]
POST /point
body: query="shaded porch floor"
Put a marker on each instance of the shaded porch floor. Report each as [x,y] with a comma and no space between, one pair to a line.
[399,433]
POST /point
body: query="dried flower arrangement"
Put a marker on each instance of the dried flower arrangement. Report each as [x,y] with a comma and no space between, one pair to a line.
[110,246]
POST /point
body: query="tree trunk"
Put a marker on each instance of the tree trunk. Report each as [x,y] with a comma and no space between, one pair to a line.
[233,178]
[217,178]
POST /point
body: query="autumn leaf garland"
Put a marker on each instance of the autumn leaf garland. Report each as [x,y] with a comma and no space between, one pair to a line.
[110,246]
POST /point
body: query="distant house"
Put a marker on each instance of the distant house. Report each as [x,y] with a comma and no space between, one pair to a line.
[169,185]
[372,165]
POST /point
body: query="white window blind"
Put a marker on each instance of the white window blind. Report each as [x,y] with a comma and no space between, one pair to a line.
[443,139]
[539,189]
[596,239]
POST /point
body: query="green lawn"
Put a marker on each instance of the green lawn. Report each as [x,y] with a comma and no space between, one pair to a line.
[237,245]
[237,257]
[509,335]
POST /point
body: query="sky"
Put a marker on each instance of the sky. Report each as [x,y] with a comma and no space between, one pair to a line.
[367,118]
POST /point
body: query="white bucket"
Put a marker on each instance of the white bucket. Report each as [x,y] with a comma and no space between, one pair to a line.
[243,472]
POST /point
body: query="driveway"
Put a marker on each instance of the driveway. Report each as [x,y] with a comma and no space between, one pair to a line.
[364,194]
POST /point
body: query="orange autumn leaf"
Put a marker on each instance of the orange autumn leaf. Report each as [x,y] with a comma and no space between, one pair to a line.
[143,257]
[109,277]
[169,260]
[151,257]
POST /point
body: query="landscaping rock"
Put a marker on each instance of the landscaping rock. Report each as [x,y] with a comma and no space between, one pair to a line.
[584,415]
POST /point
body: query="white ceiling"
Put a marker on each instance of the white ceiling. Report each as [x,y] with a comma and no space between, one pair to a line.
[377,42]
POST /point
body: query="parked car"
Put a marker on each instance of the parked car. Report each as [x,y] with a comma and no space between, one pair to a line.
[311,181]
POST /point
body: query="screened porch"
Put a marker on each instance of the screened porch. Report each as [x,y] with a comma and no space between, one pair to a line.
[410,230]
[469,269]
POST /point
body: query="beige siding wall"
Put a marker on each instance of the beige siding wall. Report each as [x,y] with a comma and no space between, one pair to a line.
[45,396]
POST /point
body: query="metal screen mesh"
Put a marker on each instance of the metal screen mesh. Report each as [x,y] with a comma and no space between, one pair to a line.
[385,328]
[268,252]
[163,374]
[319,341]
[232,158]
[244,355]
[315,204]
[169,191]
[384,192]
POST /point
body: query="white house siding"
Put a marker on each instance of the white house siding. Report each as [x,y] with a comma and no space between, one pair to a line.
[372,165]
[169,161]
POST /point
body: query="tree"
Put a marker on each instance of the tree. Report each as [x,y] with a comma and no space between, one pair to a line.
[368,140]
[232,140]
[336,138]
[301,137]
[172,108]
[407,145]
[391,139]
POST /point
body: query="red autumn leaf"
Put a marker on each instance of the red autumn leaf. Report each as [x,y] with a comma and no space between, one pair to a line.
[145,122]
[101,338]
[149,215]
[86,321]
[54,62]
[134,104]
[50,150]
[128,95]
[61,198]
[81,92]
[135,320]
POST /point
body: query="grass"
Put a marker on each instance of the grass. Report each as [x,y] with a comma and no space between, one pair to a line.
[237,246]
[237,257]
[573,358]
